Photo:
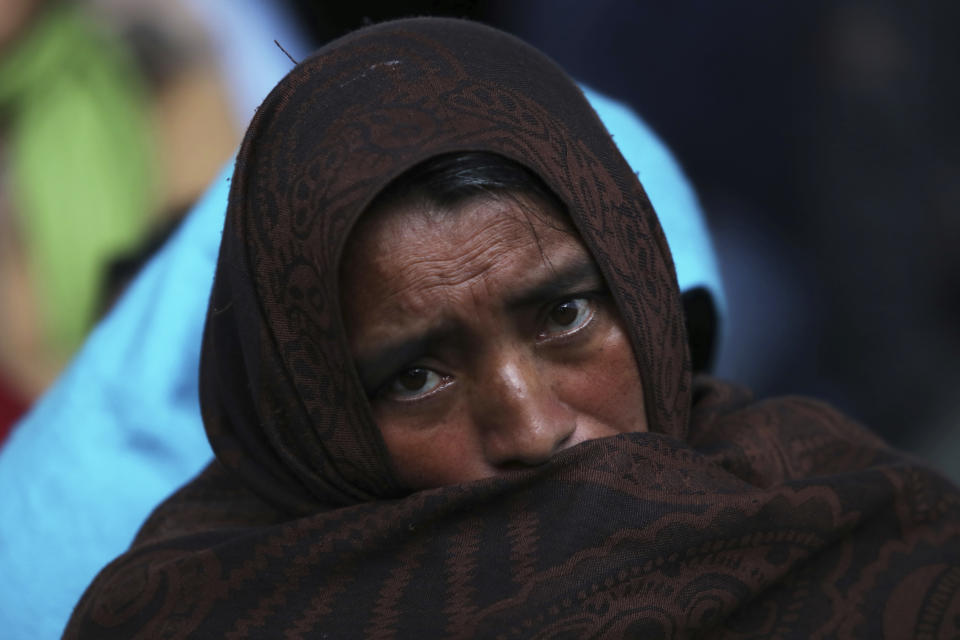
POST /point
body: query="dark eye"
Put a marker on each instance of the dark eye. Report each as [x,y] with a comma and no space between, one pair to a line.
[414,383]
[568,316]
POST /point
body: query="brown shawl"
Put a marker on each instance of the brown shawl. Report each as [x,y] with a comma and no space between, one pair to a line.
[774,519]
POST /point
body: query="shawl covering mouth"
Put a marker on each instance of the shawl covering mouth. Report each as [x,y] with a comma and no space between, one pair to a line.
[730,518]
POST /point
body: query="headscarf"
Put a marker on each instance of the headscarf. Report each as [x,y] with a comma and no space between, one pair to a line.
[775,518]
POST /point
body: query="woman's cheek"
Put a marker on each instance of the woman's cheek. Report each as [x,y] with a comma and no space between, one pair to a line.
[605,385]
[430,450]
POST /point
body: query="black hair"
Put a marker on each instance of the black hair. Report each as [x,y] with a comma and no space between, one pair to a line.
[449,180]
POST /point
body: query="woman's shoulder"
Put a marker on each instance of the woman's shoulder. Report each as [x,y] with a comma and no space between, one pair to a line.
[781,438]
[214,500]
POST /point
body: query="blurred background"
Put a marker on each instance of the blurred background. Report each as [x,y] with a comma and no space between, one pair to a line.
[822,138]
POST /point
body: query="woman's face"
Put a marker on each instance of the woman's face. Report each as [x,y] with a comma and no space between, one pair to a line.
[485,338]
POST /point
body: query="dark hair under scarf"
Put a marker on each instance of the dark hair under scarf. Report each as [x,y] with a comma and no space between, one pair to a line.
[756,520]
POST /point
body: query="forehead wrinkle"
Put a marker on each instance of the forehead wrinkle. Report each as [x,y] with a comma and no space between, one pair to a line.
[424,269]
[453,270]
[468,259]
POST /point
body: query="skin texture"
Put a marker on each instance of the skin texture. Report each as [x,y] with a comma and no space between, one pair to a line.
[485,338]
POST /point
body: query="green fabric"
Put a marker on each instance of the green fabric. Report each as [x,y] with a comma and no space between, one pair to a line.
[81,160]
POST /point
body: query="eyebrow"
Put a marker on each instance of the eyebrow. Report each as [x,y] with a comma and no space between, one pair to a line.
[375,367]
[582,272]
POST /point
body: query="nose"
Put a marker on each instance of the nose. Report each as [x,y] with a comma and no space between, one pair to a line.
[521,419]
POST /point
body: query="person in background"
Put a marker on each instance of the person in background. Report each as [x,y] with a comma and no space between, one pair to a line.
[115,120]
[77,184]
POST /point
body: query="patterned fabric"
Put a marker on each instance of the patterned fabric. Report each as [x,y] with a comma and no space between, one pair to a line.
[730,518]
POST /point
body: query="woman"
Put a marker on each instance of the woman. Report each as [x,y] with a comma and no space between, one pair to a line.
[473,416]
[482,330]
[75,136]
